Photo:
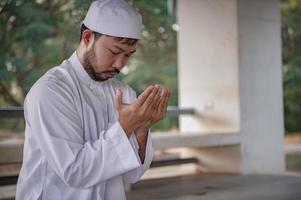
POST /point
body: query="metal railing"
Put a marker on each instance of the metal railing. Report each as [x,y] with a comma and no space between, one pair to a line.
[17,112]
[12,112]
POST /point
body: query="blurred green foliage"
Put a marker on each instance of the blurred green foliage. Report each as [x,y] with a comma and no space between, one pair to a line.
[291,48]
[293,162]
[36,35]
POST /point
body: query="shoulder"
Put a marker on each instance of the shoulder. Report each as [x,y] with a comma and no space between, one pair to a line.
[117,84]
[53,84]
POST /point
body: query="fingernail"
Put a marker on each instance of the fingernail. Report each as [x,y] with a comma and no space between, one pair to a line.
[162,93]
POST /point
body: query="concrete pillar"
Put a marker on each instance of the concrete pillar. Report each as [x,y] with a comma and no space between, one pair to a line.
[230,70]
[208,65]
[208,77]
[261,98]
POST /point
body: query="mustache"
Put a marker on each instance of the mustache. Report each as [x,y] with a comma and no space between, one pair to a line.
[116,71]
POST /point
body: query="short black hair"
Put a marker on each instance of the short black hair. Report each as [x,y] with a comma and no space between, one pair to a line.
[83,28]
[123,40]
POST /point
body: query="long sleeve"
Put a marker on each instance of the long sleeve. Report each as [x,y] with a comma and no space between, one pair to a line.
[52,116]
[134,175]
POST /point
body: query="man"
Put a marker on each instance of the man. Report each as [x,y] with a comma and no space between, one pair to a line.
[86,132]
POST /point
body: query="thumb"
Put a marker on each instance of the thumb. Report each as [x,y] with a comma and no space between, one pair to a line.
[118,99]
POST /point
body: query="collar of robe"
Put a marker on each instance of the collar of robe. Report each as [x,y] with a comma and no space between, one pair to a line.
[82,74]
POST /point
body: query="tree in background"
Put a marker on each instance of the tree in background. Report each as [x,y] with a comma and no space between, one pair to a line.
[291,47]
[36,35]
[155,60]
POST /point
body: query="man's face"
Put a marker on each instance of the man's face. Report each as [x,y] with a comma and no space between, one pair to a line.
[106,57]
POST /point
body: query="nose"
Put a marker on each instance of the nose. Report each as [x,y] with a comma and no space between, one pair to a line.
[119,62]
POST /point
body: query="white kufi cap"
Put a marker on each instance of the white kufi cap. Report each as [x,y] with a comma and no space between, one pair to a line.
[115,18]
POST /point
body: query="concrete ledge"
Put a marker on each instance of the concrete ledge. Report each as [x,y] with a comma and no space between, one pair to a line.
[7,192]
[11,150]
[218,187]
[163,140]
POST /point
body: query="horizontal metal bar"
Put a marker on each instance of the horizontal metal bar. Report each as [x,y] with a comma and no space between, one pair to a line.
[173,111]
[8,180]
[12,112]
[170,162]
[17,112]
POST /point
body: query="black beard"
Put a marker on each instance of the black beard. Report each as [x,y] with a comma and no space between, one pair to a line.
[88,66]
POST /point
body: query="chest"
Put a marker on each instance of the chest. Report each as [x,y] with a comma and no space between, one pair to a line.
[97,110]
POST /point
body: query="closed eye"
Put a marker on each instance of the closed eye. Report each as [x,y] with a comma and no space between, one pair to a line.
[113,52]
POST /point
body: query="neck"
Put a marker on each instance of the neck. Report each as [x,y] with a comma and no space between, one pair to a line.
[80,54]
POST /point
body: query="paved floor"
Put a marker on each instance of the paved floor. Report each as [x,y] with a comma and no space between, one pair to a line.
[292,148]
[201,187]
[209,187]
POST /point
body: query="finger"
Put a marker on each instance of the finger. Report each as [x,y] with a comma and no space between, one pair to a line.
[157,98]
[163,93]
[164,110]
[161,103]
[144,95]
[150,98]
[118,99]
[158,101]
[159,112]
[164,101]
[169,92]
[167,100]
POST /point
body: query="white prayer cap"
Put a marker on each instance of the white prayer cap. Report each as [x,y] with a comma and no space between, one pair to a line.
[115,18]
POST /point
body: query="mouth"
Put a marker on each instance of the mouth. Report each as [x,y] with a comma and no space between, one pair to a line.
[112,74]
[107,75]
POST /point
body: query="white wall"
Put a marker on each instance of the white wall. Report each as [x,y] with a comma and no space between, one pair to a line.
[229,55]
[261,95]
[208,64]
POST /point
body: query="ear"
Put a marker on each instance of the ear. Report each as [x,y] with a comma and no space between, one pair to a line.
[87,38]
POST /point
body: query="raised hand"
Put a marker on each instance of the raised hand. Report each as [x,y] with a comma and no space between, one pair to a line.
[148,108]
[159,108]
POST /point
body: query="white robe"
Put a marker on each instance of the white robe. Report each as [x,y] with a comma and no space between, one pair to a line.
[74,145]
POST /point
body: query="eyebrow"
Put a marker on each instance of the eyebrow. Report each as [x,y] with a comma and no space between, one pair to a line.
[122,50]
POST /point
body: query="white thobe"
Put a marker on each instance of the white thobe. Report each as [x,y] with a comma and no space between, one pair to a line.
[74,145]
